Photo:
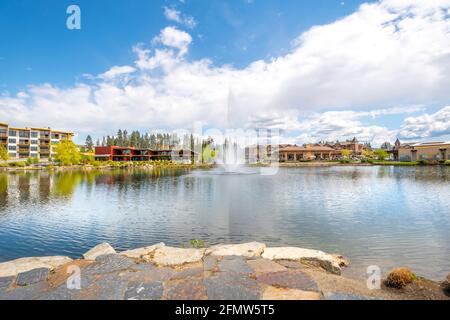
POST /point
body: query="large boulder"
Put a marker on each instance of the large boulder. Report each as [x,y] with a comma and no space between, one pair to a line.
[248,250]
[327,261]
[13,268]
[168,256]
[100,250]
[142,252]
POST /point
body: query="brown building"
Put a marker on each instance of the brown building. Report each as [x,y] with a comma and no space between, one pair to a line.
[308,152]
[427,151]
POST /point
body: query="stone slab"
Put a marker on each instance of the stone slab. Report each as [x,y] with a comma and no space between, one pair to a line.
[168,256]
[345,296]
[293,279]
[265,266]
[5,283]
[13,268]
[99,250]
[32,276]
[235,264]
[273,293]
[144,291]
[189,289]
[109,263]
[142,252]
[232,287]
[248,250]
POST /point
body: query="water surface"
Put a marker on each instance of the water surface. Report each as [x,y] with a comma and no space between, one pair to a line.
[385,216]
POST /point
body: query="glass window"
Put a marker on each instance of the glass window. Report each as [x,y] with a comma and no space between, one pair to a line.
[34,142]
[24,134]
[12,148]
[34,134]
[3,131]
[12,140]
[34,148]
[13,133]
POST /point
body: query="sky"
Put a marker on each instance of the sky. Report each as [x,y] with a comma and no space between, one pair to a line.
[318,70]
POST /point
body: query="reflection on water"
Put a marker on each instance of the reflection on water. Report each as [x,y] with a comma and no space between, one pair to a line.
[382,216]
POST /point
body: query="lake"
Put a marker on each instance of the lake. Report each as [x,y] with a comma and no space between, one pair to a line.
[385,216]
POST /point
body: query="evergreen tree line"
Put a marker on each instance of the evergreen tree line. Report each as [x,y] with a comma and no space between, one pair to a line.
[158,141]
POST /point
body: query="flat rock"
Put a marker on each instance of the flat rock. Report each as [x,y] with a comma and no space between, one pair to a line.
[272,293]
[5,283]
[248,250]
[189,289]
[13,268]
[141,252]
[168,256]
[210,263]
[235,264]
[32,276]
[109,263]
[105,288]
[31,292]
[232,287]
[293,279]
[326,261]
[144,291]
[265,266]
[147,275]
[188,273]
[100,250]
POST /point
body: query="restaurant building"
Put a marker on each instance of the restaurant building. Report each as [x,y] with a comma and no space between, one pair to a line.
[121,154]
[427,151]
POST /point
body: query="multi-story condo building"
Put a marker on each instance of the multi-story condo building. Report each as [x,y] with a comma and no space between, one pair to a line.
[23,143]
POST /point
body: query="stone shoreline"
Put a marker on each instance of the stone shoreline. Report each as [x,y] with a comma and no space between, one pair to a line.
[249,271]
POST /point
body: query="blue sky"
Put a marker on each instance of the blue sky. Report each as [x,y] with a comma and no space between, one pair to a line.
[317,69]
[36,46]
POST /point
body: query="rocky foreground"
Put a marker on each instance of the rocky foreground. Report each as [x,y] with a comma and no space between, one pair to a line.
[224,272]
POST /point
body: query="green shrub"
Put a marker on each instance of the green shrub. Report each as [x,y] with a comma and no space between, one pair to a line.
[197,243]
[344,161]
[32,160]
[18,164]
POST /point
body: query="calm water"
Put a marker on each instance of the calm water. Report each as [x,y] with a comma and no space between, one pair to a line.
[374,215]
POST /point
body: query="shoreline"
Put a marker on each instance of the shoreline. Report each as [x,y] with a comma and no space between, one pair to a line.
[125,165]
[249,271]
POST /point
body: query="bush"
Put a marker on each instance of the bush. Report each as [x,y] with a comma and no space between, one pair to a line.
[447,163]
[32,160]
[344,161]
[400,278]
[422,162]
[197,243]
[18,164]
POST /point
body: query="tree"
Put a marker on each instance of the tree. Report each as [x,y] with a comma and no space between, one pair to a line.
[346,153]
[381,154]
[367,154]
[386,146]
[89,143]
[3,153]
[67,153]
[98,143]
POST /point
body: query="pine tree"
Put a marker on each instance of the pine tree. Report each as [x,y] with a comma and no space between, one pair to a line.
[89,143]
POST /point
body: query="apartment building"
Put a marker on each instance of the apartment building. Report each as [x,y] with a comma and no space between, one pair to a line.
[24,143]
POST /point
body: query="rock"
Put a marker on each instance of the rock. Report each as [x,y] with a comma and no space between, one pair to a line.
[195,272]
[189,289]
[144,291]
[141,252]
[272,293]
[234,264]
[248,250]
[168,256]
[346,296]
[232,286]
[326,261]
[104,288]
[341,260]
[147,276]
[32,276]
[13,268]
[448,278]
[210,263]
[265,266]
[5,283]
[31,292]
[400,278]
[293,279]
[100,250]
[109,263]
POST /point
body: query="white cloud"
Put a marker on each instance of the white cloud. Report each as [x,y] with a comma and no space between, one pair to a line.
[174,15]
[172,37]
[427,125]
[390,53]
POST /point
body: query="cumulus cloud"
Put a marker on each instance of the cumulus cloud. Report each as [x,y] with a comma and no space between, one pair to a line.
[388,53]
[176,16]
[427,125]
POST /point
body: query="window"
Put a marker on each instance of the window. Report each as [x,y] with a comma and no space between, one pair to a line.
[34,148]
[24,134]
[34,142]
[3,131]
[12,140]
[12,155]
[34,155]
[12,148]
[34,134]
[13,133]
